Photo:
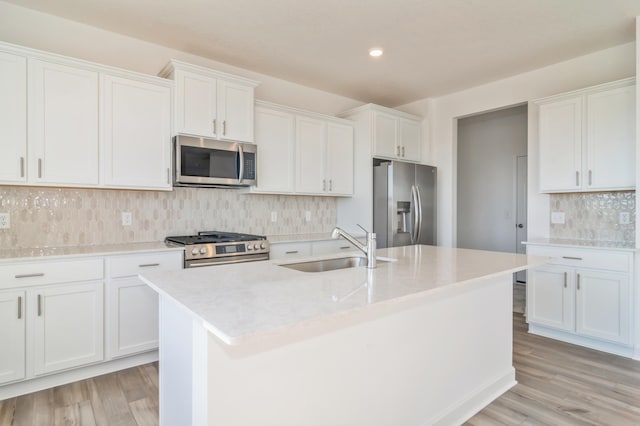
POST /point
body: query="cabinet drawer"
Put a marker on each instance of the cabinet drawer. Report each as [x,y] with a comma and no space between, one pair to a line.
[129,265]
[290,250]
[585,258]
[42,273]
[332,247]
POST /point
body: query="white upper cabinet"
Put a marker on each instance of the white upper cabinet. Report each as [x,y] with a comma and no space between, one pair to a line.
[275,137]
[63,124]
[587,139]
[301,152]
[137,133]
[395,136]
[212,104]
[13,117]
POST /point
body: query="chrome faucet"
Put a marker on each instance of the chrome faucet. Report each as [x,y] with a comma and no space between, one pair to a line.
[369,249]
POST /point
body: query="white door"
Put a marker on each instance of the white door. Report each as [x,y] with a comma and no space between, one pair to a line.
[63,124]
[385,135]
[68,325]
[550,297]
[235,111]
[134,317]
[603,305]
[560,139]
[521,212]
[137,134]
[611,139]
[275,138]
[12,336]
[13,118]
[410,140]
[310,154]
[196,104]
[340,159]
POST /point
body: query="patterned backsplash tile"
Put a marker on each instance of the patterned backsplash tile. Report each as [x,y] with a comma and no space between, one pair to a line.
[58,217]
[595,216]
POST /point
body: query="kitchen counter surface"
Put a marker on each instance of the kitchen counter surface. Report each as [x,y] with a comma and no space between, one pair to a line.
[555,242]
[240,302]
[49,253]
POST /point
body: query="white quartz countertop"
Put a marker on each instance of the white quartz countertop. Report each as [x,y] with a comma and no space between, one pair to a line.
[242,301]
[556,242]
[50,253]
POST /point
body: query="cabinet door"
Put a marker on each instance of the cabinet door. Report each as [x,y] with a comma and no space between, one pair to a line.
[560,136]
[137,134]
[196,104]
[12,336]
[13,118]
[275,138]
[550,300]
[63,124]
[610,139]
[340,159]
[410,140]
[310,154]
[68,325]
[133,317]
[603,308]
[235,111]
[385,135]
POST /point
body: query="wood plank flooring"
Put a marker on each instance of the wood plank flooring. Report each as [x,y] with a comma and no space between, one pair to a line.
[558,384]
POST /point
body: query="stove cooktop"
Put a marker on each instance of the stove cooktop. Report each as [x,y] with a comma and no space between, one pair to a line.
[214,237]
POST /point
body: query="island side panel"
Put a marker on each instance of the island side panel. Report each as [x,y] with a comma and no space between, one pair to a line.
[436,362]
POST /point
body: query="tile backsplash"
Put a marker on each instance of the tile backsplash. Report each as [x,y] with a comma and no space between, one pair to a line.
[595,216]
[60,217]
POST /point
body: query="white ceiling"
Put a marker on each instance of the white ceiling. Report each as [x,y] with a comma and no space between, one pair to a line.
[432,47]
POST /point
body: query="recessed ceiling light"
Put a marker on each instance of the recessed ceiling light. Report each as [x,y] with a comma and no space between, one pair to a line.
[375,52]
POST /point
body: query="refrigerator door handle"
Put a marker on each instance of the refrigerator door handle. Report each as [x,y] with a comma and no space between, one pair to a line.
[416,209]
[419,210]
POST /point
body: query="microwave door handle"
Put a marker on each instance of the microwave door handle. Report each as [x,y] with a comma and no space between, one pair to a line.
[241,154]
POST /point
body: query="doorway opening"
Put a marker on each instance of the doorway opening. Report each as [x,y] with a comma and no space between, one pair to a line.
[492,185]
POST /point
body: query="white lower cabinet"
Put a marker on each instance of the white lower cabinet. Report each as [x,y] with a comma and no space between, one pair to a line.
[292,250]
[68,324]
[584,296]
[289,250]
[12,335]
[132,304]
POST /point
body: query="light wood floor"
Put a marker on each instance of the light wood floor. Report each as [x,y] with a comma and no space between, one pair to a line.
[558,384]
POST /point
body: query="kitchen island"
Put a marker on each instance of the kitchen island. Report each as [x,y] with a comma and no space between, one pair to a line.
[425,338]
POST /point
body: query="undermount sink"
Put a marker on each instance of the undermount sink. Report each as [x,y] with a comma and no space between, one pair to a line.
[324,265]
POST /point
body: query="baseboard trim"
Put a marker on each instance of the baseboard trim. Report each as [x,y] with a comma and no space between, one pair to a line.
[612,348]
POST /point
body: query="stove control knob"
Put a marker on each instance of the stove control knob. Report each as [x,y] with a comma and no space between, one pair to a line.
[194,252]
[203,250]
[262,246]
[249,247]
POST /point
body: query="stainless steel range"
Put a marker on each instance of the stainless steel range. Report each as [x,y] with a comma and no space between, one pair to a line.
[218,248]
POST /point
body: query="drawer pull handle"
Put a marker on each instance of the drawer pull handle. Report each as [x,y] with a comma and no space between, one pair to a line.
[571,258]
[148,265]
[590,178]
[345,247]
[565,280]
[577,178]
[39,305]
[578,280]
[21,166]
[19,307]
[214,126]
[291,252]
[30,275]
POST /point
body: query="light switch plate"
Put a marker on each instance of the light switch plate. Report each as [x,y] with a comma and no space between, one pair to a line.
[274,216]
[557,218]
[307,216]
[5,221]
[127,218]
[625,218]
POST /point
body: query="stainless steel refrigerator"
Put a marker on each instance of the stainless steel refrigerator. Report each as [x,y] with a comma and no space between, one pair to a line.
[404,203]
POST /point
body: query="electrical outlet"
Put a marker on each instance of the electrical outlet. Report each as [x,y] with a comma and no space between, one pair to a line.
[274,216]
[5,221]
[625,218]
[307,216]
[127,218]
[557,217]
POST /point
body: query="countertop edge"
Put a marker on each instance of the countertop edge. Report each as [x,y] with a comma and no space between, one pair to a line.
[589,245]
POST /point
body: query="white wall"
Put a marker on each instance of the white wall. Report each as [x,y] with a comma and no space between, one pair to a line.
[50,33]
[600,67]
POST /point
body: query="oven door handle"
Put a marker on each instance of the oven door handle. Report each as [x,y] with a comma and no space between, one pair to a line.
[241,154]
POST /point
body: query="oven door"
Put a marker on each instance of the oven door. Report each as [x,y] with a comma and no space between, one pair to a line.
[207,162]
[226,260]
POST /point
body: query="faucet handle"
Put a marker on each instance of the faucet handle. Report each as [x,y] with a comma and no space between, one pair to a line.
[361,227]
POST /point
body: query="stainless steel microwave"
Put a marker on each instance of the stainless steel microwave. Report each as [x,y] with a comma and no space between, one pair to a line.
[207,162]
